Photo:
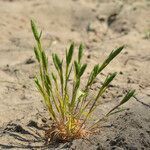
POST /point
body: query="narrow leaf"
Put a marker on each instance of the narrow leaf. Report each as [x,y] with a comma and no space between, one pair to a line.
[40,35]
[59,63]
[127,96]
[54,61]
[109,79]
[34,30]
[44,60]
[70,54]
[111,56]
[82,69]
[125,99]
[37,54]
[80,53]
[48,80]
[77,68]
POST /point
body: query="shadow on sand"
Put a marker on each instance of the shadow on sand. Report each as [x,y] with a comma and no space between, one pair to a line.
[25,138]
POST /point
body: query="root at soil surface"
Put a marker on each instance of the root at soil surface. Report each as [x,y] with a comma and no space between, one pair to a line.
[60,133]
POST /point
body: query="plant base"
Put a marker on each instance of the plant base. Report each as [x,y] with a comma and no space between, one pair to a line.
[59,133]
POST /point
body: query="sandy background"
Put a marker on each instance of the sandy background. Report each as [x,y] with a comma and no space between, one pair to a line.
[101,25]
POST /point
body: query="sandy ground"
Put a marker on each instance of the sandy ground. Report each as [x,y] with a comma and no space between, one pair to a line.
[101,25]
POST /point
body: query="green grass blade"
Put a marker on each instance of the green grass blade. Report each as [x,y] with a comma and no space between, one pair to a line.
[77,68]
[35,31]
[97,69]
[101,91]
[112,55]
[55,63]
[58,61]
[125,99]
[80,53]
[44,61]
[37,54]
[82,69]
[47,100]
[69,54]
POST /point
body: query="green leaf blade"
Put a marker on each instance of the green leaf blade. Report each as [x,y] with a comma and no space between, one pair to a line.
[70,54]
[82,70]
[34,30]
[80,53]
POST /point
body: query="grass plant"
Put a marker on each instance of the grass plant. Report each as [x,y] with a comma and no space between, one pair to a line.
[70,112]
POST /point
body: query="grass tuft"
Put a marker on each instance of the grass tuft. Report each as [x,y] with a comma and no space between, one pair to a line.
[70,113]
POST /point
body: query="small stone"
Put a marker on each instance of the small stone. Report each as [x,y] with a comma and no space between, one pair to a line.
[32,124]
[121,72]
[30,61]
[24,86]
[112,142]
[101,18]
[31,76]
[89,56]
[44,120]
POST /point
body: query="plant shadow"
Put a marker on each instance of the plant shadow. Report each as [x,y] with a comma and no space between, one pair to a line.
[24,137]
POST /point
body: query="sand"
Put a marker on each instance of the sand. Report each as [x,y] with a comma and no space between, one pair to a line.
[102,25]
